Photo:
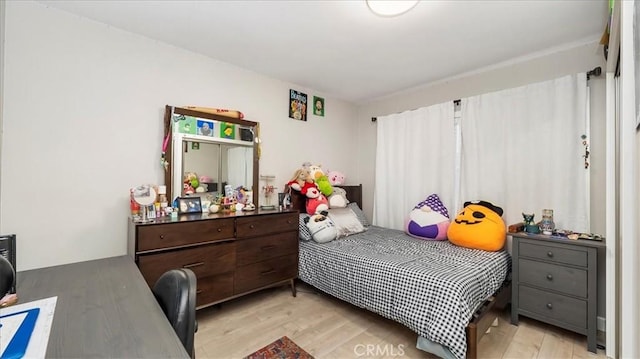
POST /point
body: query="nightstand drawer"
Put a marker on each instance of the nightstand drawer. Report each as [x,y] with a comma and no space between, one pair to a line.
[268,224]
[159,236]
[554,306]
[258,249]
[555,277]
[553,253]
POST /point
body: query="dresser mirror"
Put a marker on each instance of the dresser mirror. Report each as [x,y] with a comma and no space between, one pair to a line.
[214,150]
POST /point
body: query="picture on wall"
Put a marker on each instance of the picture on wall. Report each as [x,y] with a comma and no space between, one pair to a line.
[187,125]
[297,105]
[228,130]
[205,128]
[318,106]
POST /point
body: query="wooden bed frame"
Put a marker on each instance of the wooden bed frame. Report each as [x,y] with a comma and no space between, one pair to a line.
[482,319]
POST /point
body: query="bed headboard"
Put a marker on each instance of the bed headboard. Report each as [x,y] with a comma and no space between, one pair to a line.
[354,194]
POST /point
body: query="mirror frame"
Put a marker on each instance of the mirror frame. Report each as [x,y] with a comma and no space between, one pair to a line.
[168,173]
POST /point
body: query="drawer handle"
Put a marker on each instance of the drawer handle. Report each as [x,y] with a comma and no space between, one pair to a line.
[265,248]
[252,226]
[549,306]
[199,291]
[193,265]
[219,230]
[162,236]
[549,277]
[550,254]
[289,221]
[267,272]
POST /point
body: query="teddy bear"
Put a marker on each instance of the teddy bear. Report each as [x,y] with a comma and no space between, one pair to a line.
[318,176]
[316,201]
[300,177]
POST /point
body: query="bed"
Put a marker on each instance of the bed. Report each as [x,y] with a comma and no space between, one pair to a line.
[444,293]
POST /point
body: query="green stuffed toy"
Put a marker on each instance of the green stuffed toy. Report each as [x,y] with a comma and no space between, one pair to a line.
[324,185]
[320,179]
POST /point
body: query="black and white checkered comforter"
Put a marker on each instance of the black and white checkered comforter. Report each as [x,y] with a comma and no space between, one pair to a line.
[432,287]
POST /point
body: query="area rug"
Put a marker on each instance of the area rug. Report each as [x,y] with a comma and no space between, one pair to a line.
[283,348]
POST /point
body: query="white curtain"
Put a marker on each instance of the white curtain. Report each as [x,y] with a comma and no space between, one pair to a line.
[240,166]
[522,150]
[414,158]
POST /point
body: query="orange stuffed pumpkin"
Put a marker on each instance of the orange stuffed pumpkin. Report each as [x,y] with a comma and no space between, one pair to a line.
[479,226]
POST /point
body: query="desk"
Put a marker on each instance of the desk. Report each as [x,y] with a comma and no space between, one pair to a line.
[104,309]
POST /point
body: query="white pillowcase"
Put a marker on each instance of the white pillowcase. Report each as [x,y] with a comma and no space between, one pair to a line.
[346,221]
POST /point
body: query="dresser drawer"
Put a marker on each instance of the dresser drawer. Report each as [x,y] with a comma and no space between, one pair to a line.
[554,306]
[267,224]
[160,236]
[214,288]
[566,280]
[253,250]
[553,253]
[266,272]
[203,260]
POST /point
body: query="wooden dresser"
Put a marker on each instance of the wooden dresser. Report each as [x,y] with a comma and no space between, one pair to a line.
[231,254]
[555,281]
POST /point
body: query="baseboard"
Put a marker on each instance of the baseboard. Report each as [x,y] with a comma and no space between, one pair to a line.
[602,324]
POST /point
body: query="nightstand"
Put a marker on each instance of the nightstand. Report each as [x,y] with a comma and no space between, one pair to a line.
[555,281]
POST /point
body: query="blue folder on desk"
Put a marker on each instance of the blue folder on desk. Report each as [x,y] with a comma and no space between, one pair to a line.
[17,346]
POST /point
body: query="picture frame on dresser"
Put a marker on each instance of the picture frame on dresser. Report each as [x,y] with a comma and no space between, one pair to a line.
[189,205]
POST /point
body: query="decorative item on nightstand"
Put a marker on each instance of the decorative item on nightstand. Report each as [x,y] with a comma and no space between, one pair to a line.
[529,225]
[547,225]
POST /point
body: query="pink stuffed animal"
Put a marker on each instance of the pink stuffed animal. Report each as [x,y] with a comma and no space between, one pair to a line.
[316,201]
[335,178]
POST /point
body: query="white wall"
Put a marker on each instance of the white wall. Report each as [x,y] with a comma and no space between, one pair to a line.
[2,31]
[579,58]
[83,108]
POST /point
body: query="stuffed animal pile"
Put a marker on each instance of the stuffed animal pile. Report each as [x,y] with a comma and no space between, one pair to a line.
[311,181]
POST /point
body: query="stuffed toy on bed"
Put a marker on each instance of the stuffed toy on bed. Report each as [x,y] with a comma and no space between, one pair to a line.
[479,226]
[322,229]
[428,220]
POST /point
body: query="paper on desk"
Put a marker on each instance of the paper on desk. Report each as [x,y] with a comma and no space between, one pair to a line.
[25,328]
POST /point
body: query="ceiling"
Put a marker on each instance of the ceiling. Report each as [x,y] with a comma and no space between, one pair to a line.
[344,51]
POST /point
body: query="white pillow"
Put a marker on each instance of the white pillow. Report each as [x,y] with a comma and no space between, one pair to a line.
[346,221]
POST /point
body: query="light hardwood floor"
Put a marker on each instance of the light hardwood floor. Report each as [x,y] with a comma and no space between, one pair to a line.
[329,328]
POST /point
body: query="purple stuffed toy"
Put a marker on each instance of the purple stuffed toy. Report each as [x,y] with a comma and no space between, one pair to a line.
[429,220]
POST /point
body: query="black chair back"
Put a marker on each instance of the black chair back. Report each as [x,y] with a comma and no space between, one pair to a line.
[175,291]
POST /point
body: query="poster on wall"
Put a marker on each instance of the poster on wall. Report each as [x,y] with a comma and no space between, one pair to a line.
[227,130]
[187,125]
[205,128]
[318,106]
[297,105]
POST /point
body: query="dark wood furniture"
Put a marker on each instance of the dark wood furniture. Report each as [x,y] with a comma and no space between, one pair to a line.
[482,319]
[231,254]
[104,310]
[555,281]
[168,136]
